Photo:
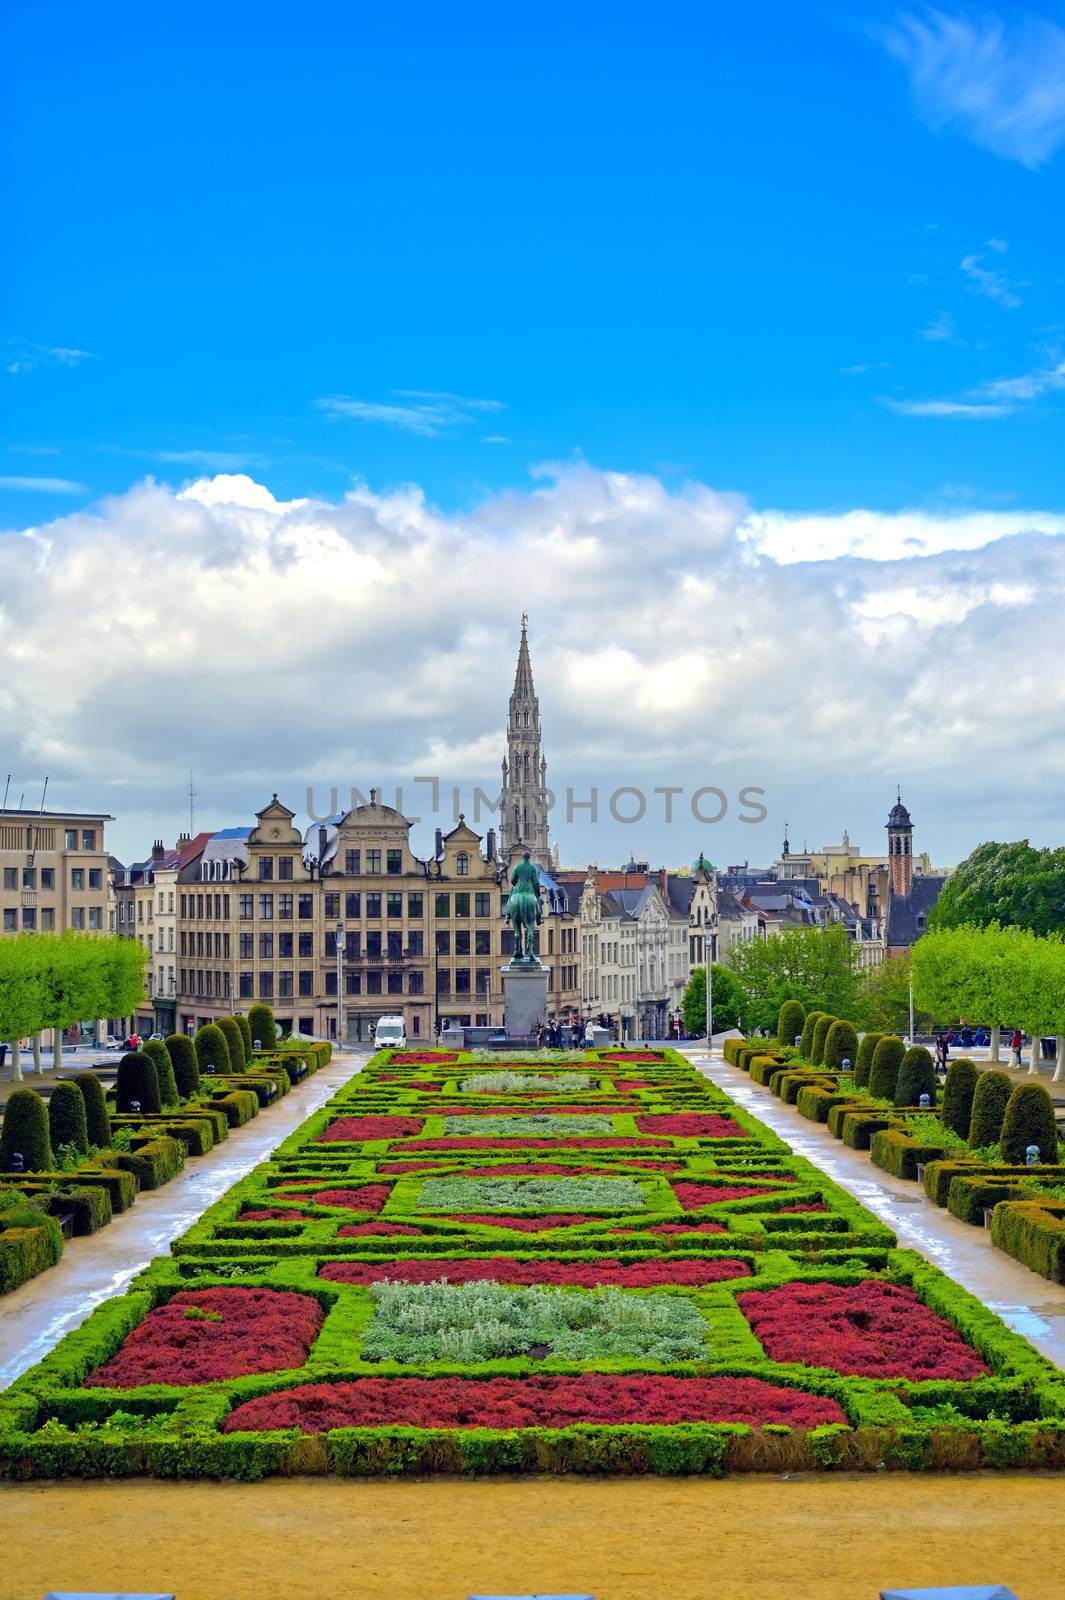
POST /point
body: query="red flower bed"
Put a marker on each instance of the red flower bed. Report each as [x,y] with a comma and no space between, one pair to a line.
[424,1058]
[355,1230]
[802,1205]
[453,1110]
[368,1197]
[608,1142]
[545,1401]
[272,1214]
[203,1335]
[573,1274]
[526,1169]
[626,1085]
[870,1330]
[550,1219]
[693,1195]
[691,1124]
[370,1128]
[676,1227]
[631,1055]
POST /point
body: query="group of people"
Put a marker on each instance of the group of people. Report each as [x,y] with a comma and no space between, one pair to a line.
[550,1036]
[944,1041]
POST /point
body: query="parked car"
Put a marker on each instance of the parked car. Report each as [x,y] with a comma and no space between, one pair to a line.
[390,1034]
[159,1036]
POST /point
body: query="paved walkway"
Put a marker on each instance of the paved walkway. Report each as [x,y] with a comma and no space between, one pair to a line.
[34,1318]
[1026,1302]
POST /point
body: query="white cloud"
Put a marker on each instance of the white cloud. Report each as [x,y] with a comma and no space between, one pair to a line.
[1000,84]
[432,413]
[1029,386]
[964,409]
[22,355]
[941,330]
[44,485]
[984,280]
[678,638]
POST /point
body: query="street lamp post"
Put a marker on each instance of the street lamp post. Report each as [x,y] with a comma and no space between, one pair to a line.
[708,953]
[340,983]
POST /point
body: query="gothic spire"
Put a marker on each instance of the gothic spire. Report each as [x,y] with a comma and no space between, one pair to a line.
[523,816]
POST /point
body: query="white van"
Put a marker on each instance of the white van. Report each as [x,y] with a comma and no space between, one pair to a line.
[390,1034]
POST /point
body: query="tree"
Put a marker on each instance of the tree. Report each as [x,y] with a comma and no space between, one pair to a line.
[917,1076]
[1011,884]
[164,1068]
[884,998]
[137,1084]
[790,1021]
[863,1064]
[841,1044]
[1029,1120]
[234,1043]
[993,1090]
[66,1118]
[887,1063]
[25,1132]
[263,1027]
[182,1053]
[212,1052]
[993,975]
[20,996]
[50,980]
[97,1122]
[818,966]
[728,1001]
[958,1091]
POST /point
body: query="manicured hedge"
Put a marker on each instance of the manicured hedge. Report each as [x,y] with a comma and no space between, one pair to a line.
[137,1084]
[238,1056]
[917,1076]
[841,1045]
[790,1021]
[66,1118]
[820,1037]
[958,1092]
[864,1060]
[97,1121]
[212,1052]
[182,1054]
[25,1132]
[262,1027]
[991,1097]
[1028,1123]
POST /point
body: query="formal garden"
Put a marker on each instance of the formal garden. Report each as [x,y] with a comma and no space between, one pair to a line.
[591,1265]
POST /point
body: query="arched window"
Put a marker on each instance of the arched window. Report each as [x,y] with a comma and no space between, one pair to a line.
[526,719]
[462,864]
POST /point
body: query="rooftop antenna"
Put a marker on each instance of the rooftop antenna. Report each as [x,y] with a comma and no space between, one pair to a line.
[37,830]
[7,786]
[192,807]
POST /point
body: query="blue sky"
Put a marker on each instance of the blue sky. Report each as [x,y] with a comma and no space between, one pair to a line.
[729,341]
[716,241]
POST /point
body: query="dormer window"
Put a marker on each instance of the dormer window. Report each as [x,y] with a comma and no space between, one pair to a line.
[462,864]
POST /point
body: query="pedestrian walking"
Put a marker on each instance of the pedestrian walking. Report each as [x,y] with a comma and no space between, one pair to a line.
[1015,1046]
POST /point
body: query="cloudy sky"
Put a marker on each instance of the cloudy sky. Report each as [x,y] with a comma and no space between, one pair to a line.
[728,342]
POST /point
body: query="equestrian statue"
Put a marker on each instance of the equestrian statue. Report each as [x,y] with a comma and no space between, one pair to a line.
[524,911]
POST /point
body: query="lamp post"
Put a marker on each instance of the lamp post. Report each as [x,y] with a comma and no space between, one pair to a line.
[910,1039]
[708,953]
[340,983]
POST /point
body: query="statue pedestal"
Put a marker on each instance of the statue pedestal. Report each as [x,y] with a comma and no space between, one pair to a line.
[524,998]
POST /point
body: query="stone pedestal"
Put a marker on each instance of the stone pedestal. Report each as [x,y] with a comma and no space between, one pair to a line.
[524,998]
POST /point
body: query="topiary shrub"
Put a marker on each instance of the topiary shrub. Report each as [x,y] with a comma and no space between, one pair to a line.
[863,1061]
[841,1044]
[212,1052]
[164,1067]
[1029,1120]
[806,1043]
[993,1090]
[884,1072]
[182,1053]
[97,1122]
[66,1118]
[917,1076]
[790,1021]
[234,1042]
[817,1049]
[137,1080]
[263,1027]
[245,1034]
[958,1091]
[25,1130]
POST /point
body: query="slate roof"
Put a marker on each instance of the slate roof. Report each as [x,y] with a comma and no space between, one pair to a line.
[907,914]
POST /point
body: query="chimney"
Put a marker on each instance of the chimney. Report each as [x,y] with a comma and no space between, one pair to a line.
[157,850]
[323,836]
[182,840]
[439,843]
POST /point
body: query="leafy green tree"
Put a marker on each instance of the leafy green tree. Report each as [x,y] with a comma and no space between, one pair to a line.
[790,1021]
[841,1044]
[20,996]
[917,1076]
[728,1001]
[958,1092]
[25,1131]
[182,1053]
[993,1090]
[818,966]
[1011,884]
[1029,1120]
[887,1063]
[884,998]
[67,1123]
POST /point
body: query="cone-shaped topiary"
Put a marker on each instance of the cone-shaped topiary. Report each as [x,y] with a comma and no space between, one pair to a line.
[97,1122]
[864,1060]
[993,1090]
[884,1072]
[841,1044]
[263,1027]
[168,1089]
[137,1080]
[245,1033]
[806,1043]
[66,1118]
[790,1022]
[182,1053]
[817,1049]
[958,1091]
[234,1043]
[1029,1120]
[917,1076]
[212,1052]
[25,1130]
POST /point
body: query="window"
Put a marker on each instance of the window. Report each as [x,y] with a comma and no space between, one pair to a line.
[10,920]
[506,943]
[284,910]
[462,980]
[352,945]
[184,905]
[77,881]
[170,910]
[306,946]
[443,906]
[96,881]
[284,948]
[482,907]
[48,882]
[88,842]
[29,878]
[161,901]
[266,986]
[394,908]
[443,942]
[307,1025]
[443,981]
[245,904]
[373,983]
[484,981]
[284,986]
[394,862]
[199,913]
[353,905]
[11,878]
[77,917]
[373,947]
[415,942]
[351,863]
[96,921]
[462,909]
[245,985]
[353,982]
[373,906]
[199,952]
[29,918]
[306,907]
[266,947]
[266,868]
[415,983]
[47,919]
[331,949]
[395,947]
[331,983]
[332,910]
[414,906]
[395,983]
[306,983]
[284,872]
[266,907]
[246,945]
[462,942]
[225,908]
[70,841]
[373,861]
[462,864]
[482,944]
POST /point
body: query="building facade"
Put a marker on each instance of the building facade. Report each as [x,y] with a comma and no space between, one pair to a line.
[53,871]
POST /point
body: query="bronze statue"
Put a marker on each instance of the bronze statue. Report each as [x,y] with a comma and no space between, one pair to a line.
[523,909]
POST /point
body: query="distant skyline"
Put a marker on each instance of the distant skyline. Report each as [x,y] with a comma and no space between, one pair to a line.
[729,342]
